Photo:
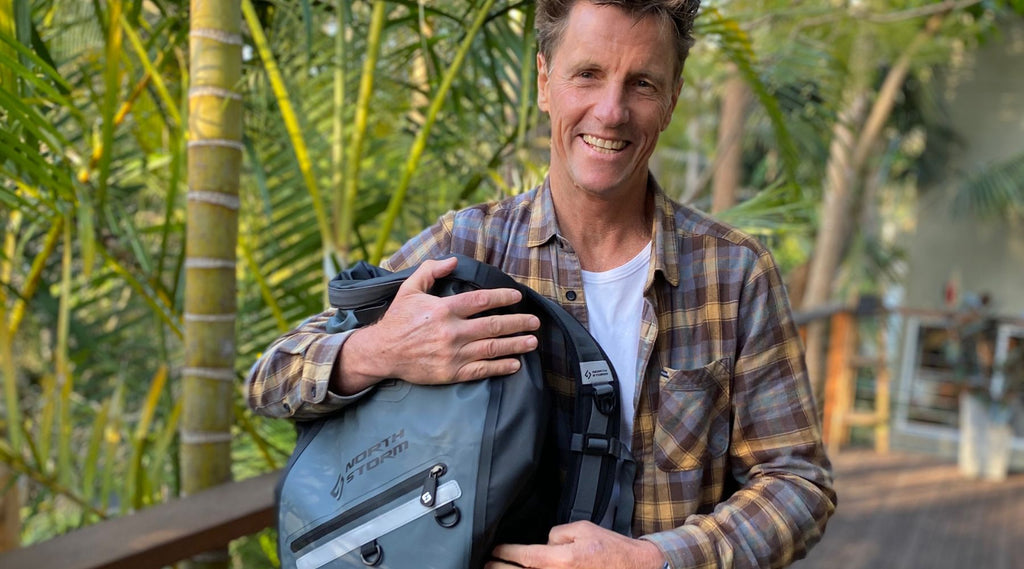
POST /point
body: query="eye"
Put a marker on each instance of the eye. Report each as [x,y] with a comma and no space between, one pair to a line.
[586,74]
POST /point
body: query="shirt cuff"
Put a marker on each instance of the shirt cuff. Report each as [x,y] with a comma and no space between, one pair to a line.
[686,546]
[316,374]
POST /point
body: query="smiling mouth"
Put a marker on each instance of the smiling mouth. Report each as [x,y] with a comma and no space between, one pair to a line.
[604,145]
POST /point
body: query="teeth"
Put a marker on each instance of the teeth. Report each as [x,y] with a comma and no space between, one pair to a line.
[604,144]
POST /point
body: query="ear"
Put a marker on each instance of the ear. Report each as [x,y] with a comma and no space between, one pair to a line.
[542,83]
[672,106]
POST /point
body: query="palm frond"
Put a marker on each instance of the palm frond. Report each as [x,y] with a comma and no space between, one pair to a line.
[735,43]
[993,191]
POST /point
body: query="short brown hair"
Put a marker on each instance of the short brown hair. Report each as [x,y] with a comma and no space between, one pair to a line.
[553,17]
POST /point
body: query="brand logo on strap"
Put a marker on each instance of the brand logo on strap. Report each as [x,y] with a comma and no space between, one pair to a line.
[595,372]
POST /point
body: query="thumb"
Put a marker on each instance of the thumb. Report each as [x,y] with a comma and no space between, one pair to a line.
[565,534]
[424,277]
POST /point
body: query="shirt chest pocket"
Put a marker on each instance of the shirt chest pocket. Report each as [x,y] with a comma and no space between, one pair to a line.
[692,426]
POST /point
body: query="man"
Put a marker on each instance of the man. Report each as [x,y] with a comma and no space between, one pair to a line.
[730,466]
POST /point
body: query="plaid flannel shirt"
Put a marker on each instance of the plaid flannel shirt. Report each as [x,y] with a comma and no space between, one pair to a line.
[731,471]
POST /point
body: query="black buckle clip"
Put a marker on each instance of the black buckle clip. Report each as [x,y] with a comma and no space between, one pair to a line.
[605,397]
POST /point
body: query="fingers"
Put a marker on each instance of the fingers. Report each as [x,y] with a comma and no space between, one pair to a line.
[568,533]
[427,274]
[491,344]
[474,302]
[482,369]
[499,327]
[498,564]
[463,305]
[428,339]
[529,556]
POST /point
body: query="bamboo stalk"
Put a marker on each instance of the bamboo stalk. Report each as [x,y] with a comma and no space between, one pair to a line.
[152,74]
[338,130]
[112,86]
[291,120]
[34,276]
[10,500]
[362,113]
[7,28]
[136,491]
[214,164]
[526,79]
[63,377]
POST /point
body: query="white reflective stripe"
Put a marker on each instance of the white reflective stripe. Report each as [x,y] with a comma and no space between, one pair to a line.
[383,524]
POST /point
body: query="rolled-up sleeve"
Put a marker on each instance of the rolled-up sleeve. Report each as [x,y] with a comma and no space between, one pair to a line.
[292,377]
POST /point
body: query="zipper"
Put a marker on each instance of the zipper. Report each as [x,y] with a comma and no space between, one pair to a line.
[429,494]
[361,536]
[426,480]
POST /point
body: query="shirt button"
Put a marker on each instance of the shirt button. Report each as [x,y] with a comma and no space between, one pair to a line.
[570,295]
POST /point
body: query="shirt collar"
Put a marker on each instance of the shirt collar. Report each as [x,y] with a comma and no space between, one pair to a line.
[663,235]
[543,225]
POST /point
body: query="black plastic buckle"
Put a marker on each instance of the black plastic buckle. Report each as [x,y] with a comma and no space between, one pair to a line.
[605,397]
[597,444]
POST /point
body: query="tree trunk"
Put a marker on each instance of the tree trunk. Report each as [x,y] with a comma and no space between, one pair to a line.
[214,160]
[847,159]
[831,238]
[729,164]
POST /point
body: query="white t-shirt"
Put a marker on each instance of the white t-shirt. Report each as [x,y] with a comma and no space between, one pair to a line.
[615,301]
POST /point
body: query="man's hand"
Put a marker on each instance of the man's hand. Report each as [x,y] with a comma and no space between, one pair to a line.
[431,340]
[580,545]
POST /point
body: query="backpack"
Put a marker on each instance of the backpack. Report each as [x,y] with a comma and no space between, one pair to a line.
[436,476]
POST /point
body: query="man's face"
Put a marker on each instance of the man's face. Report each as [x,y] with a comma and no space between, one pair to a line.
[610,90]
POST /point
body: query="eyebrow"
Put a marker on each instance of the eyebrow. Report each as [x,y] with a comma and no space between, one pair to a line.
[644,73]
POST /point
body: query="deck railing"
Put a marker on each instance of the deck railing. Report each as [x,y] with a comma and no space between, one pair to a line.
[180,529]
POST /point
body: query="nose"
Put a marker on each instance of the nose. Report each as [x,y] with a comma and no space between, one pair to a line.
[611,106]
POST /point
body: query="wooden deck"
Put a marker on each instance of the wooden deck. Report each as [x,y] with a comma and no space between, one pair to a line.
[908,511]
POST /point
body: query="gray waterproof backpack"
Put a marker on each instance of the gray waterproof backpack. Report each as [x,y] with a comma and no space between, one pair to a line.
[433,477]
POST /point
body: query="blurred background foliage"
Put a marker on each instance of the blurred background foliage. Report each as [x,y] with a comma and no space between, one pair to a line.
[364,121]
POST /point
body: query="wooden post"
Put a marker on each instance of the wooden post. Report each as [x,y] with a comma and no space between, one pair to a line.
[837,379]
[882,397]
